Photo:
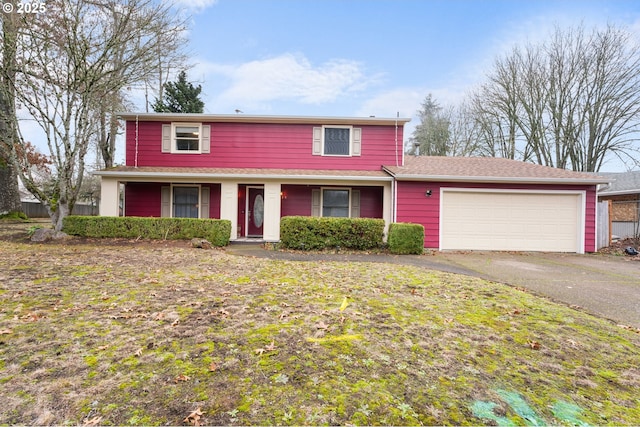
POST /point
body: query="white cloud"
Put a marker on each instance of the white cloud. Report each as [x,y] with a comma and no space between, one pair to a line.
[195,5]
[283,78]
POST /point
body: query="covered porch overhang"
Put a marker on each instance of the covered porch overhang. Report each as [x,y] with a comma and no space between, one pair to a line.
[230,181]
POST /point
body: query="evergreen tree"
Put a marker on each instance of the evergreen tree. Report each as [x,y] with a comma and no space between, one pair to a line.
[180,97]
[431,136]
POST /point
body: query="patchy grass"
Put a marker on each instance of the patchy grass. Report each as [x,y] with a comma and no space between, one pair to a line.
[150,333]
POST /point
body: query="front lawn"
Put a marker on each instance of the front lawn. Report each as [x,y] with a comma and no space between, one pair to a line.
[117,333]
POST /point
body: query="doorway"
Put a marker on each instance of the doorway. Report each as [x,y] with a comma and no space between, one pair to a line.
[254,220]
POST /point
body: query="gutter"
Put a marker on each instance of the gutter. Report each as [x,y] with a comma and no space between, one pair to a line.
[242,118]
[494,179]
[141,174]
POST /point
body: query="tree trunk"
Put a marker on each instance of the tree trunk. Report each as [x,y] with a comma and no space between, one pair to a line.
[9,194]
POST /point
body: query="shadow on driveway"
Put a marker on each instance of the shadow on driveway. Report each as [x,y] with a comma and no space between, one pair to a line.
[604,285]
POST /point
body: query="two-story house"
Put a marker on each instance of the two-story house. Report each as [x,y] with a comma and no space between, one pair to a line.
[253,170]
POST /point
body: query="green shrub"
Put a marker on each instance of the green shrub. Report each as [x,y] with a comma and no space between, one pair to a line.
[216,231]
[14,215]
[406,238]
[314,233]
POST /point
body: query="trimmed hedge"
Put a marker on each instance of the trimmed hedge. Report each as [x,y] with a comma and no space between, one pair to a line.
[216,231]
[315,233]
[405,238]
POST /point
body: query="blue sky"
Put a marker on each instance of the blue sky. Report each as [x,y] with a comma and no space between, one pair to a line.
[366,57]
[361,57]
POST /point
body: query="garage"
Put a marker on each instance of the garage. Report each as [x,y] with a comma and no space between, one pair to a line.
[473,219]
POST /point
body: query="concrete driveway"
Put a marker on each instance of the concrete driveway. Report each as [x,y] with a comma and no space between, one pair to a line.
[604,285]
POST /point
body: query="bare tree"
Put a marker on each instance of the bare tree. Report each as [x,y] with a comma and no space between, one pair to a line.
[463,132]
[74,57]
[150,40]
[569,102]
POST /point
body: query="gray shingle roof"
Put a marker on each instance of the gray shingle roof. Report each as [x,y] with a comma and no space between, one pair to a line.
[486,169]
[623,183]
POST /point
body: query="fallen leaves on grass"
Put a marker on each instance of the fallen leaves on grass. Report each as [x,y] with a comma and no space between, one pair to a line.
[6,331]
[194,417]
[269,347]
[95,421]
[182,378]
[534,345]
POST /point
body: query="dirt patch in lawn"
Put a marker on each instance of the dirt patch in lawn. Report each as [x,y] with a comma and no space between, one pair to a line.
[138,332]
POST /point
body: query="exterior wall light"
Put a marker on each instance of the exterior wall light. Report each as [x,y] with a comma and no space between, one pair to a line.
[428,192]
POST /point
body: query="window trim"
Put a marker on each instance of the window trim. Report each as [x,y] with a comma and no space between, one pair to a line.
[174,142]
[322,189]
[350,144]
[198,186]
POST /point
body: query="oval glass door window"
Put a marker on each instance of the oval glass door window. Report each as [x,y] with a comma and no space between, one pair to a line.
[258,211]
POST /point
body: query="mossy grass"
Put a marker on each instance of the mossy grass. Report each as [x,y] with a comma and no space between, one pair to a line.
[136,334]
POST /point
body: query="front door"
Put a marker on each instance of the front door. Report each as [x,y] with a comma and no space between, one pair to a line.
[255,211]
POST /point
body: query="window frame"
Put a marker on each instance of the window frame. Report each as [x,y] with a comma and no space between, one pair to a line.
[347,189]
[174,186]
[174,139]
[349,144]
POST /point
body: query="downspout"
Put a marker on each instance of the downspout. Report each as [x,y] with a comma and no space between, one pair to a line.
[135,159]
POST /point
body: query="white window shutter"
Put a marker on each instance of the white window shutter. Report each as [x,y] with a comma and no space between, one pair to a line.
[356,144]
[355,203]
[205,195]
[206,139]
[317,141]
[165,202]
[316,207]
[166,138]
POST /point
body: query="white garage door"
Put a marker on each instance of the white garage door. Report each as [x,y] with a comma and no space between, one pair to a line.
[507,221]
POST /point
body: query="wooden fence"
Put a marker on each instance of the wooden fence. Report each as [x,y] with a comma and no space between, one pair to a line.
[36,210]
[603,239]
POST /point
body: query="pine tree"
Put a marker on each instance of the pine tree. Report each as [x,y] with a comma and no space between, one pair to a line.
[180,96]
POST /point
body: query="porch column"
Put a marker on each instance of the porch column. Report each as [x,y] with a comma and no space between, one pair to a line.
[109,197]
[272,204]
[229,205]
[387,207]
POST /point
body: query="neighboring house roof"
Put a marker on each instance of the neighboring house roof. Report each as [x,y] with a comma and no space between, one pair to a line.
[242,118]
[621,183]
[189,172]
[486,169]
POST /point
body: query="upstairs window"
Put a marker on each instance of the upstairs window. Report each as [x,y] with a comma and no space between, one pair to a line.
[187,138]
[334,140]
[337,141]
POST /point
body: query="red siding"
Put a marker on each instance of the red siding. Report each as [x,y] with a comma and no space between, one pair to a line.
[144,199]
[214,200]
[370,202]
[245,145]
[414,206]
[242,205]
[298,200]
